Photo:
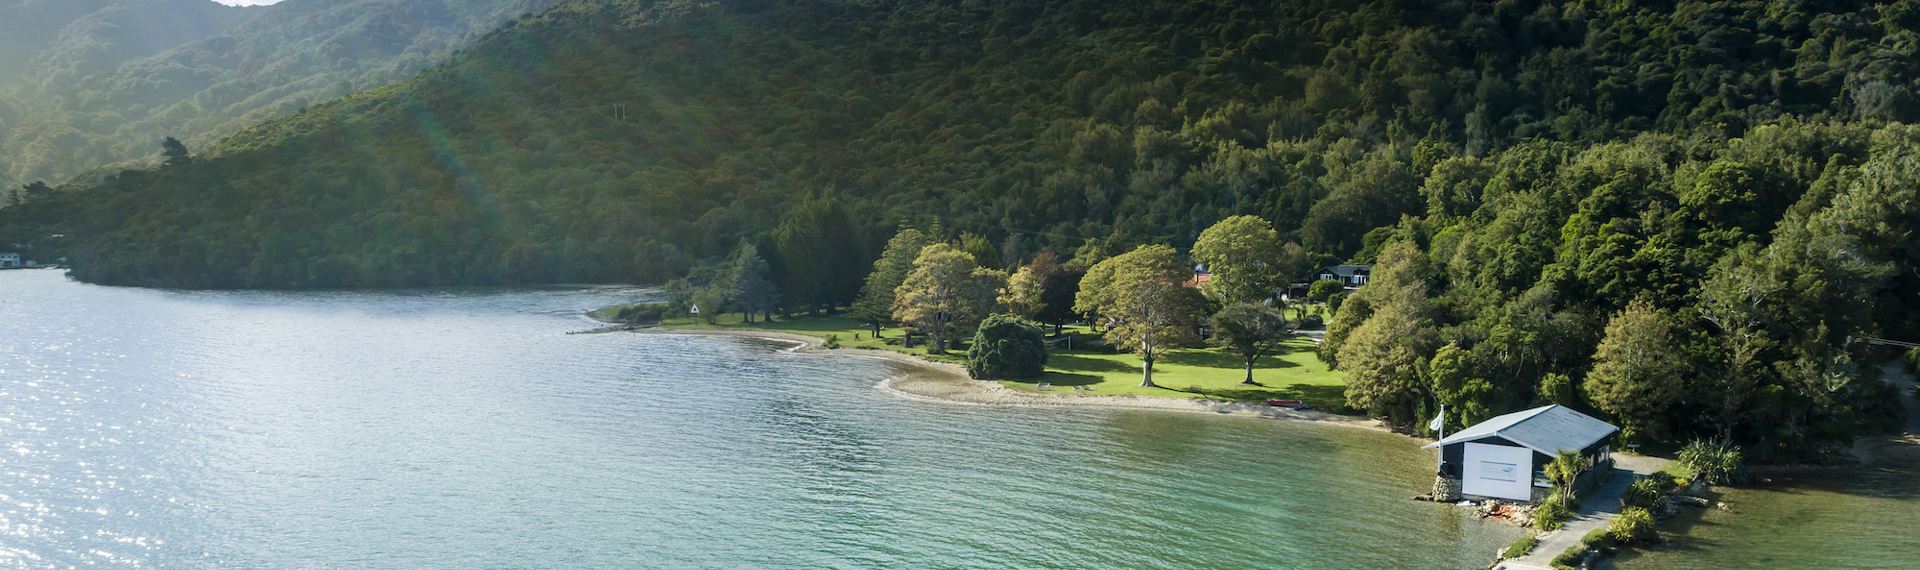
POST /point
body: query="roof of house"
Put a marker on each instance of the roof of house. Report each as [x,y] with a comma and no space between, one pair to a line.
[1346,270]
[1546,429]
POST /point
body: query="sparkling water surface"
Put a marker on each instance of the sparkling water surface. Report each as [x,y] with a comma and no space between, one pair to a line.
[465,428]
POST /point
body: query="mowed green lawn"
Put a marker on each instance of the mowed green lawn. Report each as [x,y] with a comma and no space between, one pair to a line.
[1293,374]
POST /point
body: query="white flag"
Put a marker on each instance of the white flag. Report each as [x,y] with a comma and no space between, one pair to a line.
[1438,421]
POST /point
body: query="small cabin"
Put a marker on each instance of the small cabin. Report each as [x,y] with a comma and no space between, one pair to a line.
[9,260]
[1506,457]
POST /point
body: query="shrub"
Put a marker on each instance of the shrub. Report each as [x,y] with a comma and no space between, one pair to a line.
[833,341]
[1335,300]
[1323,289]
[1551,512]
[1521,547]
[1312,322]
[1571,558]
[641,313]
[1633,525]
[1717,461]
[1597,539]
[1647,491]
[1007,346]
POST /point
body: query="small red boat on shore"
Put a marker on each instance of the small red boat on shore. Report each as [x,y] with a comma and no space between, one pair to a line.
[1294,404]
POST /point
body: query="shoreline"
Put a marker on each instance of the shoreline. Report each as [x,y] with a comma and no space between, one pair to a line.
[948,382]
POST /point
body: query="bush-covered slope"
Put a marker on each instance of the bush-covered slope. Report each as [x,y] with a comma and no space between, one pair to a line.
[1542,182]
[99,33]
[78,110]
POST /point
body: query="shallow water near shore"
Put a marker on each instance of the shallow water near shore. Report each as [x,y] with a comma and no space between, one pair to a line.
[1857,519]
[464,428]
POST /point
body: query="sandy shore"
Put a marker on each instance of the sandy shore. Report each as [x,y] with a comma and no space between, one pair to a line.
[949,382]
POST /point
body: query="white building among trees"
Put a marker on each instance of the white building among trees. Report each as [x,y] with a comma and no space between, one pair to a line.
[1504,457]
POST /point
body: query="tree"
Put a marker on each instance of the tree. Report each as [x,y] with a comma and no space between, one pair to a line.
[1323,289]
[1737,300]
[1141,296]
[1381,344]
[938,291]
[753,288]
[175,152]
[1007,346]
[822,251]
[1452,375]
[710,301]
[1565,468]
[679,294]
[1022,296]
[1250,330]
[1557,389]
[1243,254]
[982,250]
[1043,290]
[1637,370]
[875,304]
[32,192]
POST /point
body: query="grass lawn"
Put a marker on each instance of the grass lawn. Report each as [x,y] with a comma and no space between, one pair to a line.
[1293,374]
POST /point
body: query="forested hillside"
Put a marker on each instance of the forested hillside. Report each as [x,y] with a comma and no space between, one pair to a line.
[1733,176]
[55,38]
[92,100]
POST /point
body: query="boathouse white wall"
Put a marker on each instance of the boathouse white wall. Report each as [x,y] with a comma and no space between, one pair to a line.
[1498,471]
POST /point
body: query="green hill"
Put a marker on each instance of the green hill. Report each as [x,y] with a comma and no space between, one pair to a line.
[1058,122]
[1524,170]
[91,100]
[60,39]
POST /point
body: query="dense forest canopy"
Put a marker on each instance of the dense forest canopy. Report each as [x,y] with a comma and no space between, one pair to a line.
[134,71]
[1530,176]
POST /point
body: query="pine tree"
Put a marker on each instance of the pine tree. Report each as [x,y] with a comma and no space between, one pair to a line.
[875,304]
[175,152]
[753,289]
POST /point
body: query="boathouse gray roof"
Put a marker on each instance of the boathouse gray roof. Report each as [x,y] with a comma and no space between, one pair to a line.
[1546,429]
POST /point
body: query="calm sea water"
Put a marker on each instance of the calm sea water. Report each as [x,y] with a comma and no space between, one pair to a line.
[464,428]
[1867,519]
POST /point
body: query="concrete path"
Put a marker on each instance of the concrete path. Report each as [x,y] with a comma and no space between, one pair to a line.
[1596,512]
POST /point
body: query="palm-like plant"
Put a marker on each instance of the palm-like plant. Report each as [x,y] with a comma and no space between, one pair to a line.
[1718,461]
[1566,467]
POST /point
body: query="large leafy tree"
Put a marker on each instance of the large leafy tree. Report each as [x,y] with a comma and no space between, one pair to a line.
[1382,351]
[1638,371]
[1250,330]
[940,290]
[875,303]
[1243,254]
[1147,309]
[1006,346]
[1457,384]
[1044,289]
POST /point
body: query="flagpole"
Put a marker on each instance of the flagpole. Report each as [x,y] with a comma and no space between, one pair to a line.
[1440,462]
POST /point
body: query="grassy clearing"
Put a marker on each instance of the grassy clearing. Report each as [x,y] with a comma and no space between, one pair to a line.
[1679,473]
[1293,374]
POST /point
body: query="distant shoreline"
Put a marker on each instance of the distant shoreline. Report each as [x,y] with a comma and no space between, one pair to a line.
[949,383]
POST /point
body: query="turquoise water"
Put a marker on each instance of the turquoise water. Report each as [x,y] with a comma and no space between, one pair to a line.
[464,428]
